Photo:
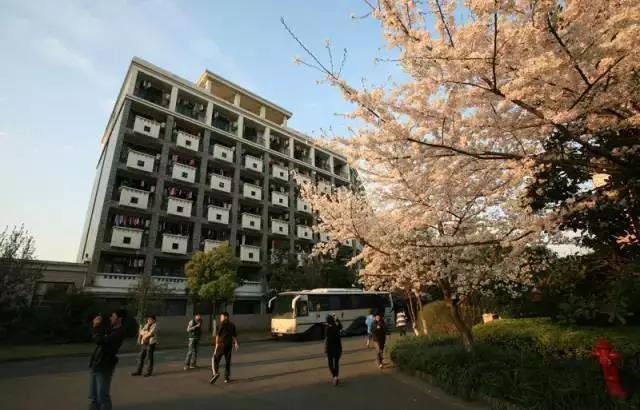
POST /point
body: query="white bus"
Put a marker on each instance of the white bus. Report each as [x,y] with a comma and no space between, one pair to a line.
[302,313]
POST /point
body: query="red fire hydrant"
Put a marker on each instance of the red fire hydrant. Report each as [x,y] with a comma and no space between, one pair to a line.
[607,358]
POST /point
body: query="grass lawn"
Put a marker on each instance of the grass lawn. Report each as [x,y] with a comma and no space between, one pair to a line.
[39,351]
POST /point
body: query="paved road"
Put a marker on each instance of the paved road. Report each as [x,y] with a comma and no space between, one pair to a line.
[267,375]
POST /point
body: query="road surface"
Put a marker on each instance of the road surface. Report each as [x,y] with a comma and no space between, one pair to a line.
[266,375]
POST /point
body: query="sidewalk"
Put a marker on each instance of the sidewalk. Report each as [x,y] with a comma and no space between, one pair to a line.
[10,353]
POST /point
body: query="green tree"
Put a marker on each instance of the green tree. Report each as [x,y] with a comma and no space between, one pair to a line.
[146,296]
[211,276]
[19,273]
[284,273]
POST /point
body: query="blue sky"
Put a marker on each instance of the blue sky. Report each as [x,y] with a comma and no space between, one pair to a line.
[63,62]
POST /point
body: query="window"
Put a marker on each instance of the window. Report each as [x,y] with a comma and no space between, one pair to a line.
[133,200]
[221,184]
[218,217]
[250,255]
[140,163]
[252,223]
[185,175]
[126,240]
[223,154]
[180,209]
[302,308]
[246,307]
[255,165]
[174,246]
[280,200]
[319,303]
[187,143]
[253,193]
[147,128]
[280,228]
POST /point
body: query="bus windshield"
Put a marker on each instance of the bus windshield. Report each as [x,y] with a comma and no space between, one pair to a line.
[282,307]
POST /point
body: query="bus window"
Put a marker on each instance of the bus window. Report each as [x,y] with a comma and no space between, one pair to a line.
[282,307]
[302,308]
[319,303]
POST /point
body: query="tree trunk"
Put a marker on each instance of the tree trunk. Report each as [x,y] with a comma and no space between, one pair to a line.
[212,305]
[458,321]
[423,321]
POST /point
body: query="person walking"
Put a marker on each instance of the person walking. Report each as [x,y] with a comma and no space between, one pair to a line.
[379,334]
[108,340]
[401,322]
[147,338]
[225,341]
[194,331]
[333,346]
[369,322]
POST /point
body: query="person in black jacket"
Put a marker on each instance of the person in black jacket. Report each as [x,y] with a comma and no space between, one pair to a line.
[103,361]
[379,334]
[333,346]
[225,341]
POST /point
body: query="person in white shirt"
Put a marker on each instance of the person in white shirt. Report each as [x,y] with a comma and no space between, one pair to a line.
[401,322]
[147,338]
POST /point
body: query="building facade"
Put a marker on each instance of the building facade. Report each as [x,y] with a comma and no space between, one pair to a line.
[186,166]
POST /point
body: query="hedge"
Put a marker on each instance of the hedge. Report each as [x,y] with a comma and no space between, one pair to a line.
[528,370]
[553,340]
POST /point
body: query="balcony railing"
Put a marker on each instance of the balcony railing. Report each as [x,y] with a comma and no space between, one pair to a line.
[210,244]
[250,253]
[280,199]
[188,141]
[251,221]
[146,127]
[141,161]
[183,172]
[252,191]
[253,163]
[278,172]
[279,227]
[220,183]
[176,244]
[136,198]
[124,237]
[179,206]
[173,284]
[218,214]
[223,153]
[249,289]
[115,280]
[304,232]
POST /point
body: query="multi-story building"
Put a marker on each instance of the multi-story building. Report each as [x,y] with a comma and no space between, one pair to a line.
[185,166]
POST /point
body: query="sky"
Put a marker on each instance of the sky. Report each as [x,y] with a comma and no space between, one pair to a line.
[62,64]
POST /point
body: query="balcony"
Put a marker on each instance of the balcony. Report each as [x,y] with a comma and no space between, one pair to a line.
[250,253]
[179,206]
[251,221]
[122,237]
[173,284]
[324,187]
[249,289]
[302,206]
[304,232]
[302,179]
[210,244]
[176,244]
[191,108]
[279,172]
[141,161]
[280,199]
[253,163]
[218,215]
[324,237]
[115,280]
[146,127]
[188,141]
[252,191]
[183,172]
[222,122]
[223,153]
[136,198]
[220,183]
[279,227]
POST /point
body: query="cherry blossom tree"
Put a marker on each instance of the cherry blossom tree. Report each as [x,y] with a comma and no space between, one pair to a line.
[446,154]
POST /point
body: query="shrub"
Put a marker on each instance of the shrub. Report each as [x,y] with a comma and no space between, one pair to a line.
[552,340]
[506,377]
